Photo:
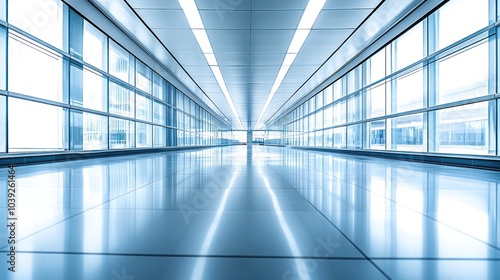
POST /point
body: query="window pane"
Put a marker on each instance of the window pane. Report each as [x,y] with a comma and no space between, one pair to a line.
[88,131]
[94,46]
[339,113]
[463,129]
[328,118]
[159,87]
[121,63]
[337,90]
[144,135]
[354,108]
[143,108]
[121,134]
[375,102]
[328,138]
[451,24]
[376,67]
[160,137]
[159,113]
[354,80]
[43,131]
[180,138]
[43,19]
[328,95]
[121,100]
[408,93]
[376,135]
[409,48]
[339,137]
[408,133]
[144,77]
[3,55]
[34,70]
[463,75]
[88,89]
[354,136]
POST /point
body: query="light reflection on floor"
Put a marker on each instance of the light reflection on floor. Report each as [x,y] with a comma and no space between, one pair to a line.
[253,213]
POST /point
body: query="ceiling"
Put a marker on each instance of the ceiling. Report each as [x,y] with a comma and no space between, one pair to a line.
[250,39]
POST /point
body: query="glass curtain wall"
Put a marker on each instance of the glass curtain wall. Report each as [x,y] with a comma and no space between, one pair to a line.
[432,89]
[66,85]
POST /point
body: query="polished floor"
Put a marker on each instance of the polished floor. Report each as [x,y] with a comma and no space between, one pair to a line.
[252,213]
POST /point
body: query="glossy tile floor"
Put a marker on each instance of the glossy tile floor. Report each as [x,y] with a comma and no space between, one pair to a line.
[261,213]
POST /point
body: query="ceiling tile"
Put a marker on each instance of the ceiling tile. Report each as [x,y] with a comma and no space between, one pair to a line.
[276,19]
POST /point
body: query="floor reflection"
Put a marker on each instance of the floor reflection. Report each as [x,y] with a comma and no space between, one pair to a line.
[252,212]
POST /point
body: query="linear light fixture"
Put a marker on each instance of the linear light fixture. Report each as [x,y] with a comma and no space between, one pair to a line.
[194,19]
[309,16]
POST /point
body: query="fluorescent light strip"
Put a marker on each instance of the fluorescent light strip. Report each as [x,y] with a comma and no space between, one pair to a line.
[309,16]
[194,19]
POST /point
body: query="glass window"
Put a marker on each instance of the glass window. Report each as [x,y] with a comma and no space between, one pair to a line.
[353,80]
[33,70]
[375,101]
[354,108]
[44,131]
[180,137]
[463,129]
[121,134]
[376,135]
[159,136]
[409,48]
[180,119]
[339,137]
[143,107]
[451,24]
[121,63]
[328,138]
[463,75]
[408,133]
[328,95]
[88,131]
[3,56]
[121,100]
[159,87]
[170,94]
[376,67]
[94,46]
[88,89]
[319,100]
[144,135]
[408,93]
[43,19]
[159,113]
[338,92]
[328,117]
[354,136]
[144,77]
[339,113]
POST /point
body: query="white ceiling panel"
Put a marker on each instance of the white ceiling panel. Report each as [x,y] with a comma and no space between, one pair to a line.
[154,4]
[276,19]
[278,5]
[230,19]
[271,41]
[229,40]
